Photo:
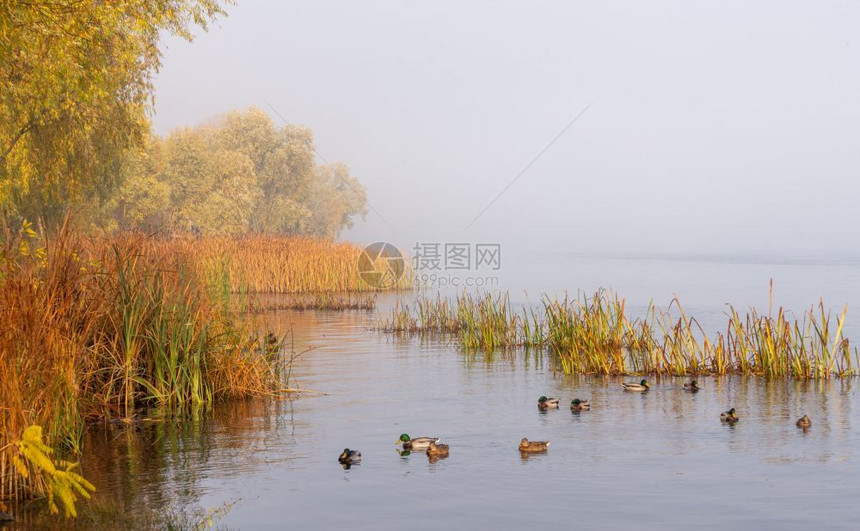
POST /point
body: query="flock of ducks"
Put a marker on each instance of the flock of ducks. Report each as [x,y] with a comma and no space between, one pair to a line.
[434,449]
[429,445]
[729,417]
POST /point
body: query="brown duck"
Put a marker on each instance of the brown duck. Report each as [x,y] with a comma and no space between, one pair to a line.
[533,447]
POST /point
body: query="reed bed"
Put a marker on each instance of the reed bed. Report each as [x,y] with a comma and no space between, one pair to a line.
[95,329]
[313,301]
[277,264]
[597,335]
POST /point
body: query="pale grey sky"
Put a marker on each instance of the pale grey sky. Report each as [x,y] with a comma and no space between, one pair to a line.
[719,127]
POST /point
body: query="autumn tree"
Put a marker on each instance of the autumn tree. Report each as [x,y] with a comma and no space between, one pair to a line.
[212,189]
[235,175]
[75,86]
[283,160]
[335,198]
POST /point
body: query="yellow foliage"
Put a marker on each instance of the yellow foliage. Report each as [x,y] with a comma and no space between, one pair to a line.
[237,175]
[77,82]
[63,484]
[20,467]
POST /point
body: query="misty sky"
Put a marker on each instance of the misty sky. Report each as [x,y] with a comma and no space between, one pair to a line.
[724,127]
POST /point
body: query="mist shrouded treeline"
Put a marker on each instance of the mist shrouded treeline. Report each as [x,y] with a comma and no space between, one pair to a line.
[75,137]
[235,175]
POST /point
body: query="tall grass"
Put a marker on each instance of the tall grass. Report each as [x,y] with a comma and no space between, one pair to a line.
[597,335]
[276,264]
[95,329]
[486,322]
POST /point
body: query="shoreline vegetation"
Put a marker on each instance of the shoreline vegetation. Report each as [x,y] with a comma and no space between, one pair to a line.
[100,320]
[597,335]
[99,328]
[326,301]
[275,265]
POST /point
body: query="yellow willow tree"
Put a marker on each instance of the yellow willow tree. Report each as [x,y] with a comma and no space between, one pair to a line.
[212,190]
[75,85]
[283,160]
[233,175]
[143,200]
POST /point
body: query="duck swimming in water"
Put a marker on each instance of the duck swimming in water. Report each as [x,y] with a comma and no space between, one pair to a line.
[804,422]
[693,386]
[533,447]
[545,403]
[349,457]
[577,405]
[437,450]
[729,416]
[638,387]
[418,443]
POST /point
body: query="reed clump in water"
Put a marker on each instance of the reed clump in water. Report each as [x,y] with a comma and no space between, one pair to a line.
[95,329]
[312,301]
[597,335]
[480,322]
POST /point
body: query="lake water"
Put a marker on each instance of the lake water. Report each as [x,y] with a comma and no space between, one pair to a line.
[660,459]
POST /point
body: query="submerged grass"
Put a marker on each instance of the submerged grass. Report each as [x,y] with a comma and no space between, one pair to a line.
[596,335]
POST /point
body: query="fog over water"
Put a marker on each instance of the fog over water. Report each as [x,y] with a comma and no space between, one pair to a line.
[656,149]
[719,129]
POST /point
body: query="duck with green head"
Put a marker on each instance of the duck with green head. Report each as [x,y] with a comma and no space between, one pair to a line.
[418,443]
[693,386]
[577,405]
[638,387]
[349,457]
[729,416]
[545,403]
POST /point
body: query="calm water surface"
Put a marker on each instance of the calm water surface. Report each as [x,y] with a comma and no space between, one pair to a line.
[659,459]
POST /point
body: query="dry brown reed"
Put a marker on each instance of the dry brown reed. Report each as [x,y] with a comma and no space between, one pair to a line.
[275,264]
[95,329]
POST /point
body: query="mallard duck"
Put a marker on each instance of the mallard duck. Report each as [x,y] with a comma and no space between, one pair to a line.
[693,386]
[349,457]
[437,450]
[729,416]
[579,405]
[804,422]
[547,403]
[638,387]
[533,446]
[418,443]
